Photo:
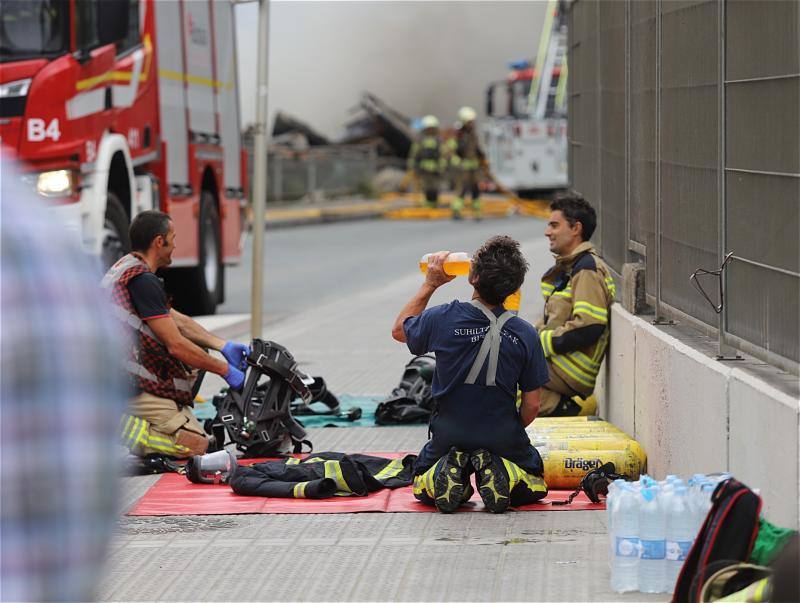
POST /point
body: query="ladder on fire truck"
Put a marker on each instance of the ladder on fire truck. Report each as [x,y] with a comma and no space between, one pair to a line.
[548,88]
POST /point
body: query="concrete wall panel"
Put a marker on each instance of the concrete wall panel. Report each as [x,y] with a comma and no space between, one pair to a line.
[764,449]
[616,398]
[693,414]
[681,405]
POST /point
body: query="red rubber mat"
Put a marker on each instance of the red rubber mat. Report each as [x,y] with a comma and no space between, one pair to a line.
[173,494]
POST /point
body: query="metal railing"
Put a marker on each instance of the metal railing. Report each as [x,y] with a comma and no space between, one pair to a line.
[685,135]
[321,172]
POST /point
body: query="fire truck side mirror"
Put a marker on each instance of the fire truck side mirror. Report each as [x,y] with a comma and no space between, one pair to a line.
[112,21]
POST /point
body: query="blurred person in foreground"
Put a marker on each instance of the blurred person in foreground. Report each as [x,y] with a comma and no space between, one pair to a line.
[484,354]
[167,348]
[61,394]
[578,292]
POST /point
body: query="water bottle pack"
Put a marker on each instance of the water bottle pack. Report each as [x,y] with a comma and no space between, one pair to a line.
[652,526]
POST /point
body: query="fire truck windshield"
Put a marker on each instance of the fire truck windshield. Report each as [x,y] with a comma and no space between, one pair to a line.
[33,28]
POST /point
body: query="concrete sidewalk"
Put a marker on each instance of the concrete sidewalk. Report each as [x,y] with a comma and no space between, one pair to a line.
[530,556]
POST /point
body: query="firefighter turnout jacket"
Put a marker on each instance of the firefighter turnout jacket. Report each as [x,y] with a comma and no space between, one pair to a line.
[426,156]
[578,292]
[323,475]
[465,150]
[152,368]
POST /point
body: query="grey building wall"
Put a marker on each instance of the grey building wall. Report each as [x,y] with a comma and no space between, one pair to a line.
[684,133]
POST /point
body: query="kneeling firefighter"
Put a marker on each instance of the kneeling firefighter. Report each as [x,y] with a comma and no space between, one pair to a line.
[484,353]
[167,350]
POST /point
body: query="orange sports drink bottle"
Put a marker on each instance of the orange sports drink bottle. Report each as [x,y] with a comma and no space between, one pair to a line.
[458,264]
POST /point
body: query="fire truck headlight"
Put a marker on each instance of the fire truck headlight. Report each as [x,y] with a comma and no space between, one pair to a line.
[15,89]
[58,183]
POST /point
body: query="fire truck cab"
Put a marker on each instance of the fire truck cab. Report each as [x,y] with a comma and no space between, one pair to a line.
[117,106]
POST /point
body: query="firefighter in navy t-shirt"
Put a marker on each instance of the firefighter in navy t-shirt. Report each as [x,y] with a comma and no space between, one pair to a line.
[483,355]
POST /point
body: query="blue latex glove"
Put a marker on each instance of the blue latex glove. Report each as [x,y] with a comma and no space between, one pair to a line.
[234,377]
[236,354]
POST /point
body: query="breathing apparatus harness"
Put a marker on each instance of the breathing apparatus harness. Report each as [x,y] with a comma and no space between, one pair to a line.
[259,418]
[594,484]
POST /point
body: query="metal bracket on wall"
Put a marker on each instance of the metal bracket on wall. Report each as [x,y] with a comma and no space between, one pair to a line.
[663,321]
[719,274]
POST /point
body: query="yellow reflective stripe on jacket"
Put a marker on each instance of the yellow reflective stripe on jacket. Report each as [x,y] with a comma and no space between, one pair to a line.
[566,293]
[333,470]
[584,362]
[611,286]
[546,339]
[299,490]
[573,370]
[292,461]
[596,312]
[547,289]
[391,470]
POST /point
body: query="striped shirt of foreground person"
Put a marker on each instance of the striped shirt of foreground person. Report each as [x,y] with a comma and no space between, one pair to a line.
[62,394]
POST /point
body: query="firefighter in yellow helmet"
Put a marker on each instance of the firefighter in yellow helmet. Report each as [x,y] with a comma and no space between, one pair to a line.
[466,159]
[426,160]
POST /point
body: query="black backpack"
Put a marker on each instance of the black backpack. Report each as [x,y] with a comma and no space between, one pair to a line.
[411,401]
[727,536]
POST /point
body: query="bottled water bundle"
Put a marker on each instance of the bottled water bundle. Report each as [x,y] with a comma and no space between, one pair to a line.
[652,526]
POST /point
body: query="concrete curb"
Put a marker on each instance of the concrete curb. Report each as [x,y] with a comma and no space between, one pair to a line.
[393,207]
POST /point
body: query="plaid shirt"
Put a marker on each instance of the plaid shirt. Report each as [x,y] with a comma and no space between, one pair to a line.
[62,396]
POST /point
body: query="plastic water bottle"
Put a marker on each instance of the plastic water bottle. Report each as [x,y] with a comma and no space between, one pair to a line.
[653,541]
[680,533]
[612,500]
[625,540]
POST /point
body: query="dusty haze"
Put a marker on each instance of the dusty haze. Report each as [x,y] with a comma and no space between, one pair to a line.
[421,57]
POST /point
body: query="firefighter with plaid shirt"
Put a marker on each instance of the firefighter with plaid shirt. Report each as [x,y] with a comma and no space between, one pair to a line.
[167,349]
[578,292]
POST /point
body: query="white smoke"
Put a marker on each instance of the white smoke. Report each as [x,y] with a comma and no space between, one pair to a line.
[420,57]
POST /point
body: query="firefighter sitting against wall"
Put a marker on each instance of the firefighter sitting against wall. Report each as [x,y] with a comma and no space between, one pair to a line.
[426,160]
[467,160]
[166,347]
[578,292]
[484,353]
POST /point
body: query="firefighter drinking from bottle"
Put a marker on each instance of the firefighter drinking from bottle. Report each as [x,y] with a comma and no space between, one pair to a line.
[165,348]
[484,353]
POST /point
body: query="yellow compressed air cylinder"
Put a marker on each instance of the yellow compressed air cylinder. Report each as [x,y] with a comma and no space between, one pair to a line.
[572,446]
[564,469]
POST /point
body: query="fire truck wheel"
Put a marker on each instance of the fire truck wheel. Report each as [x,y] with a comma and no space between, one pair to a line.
[116,241]
[200,288]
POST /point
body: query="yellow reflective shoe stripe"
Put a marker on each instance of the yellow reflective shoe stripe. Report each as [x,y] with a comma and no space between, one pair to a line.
[299,490]
[333,470]
[390,470]
[534,482]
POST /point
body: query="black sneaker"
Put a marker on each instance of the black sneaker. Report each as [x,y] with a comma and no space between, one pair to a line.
[451,482]
[491,481]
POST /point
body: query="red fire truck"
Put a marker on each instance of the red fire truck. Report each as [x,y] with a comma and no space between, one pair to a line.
[118,106]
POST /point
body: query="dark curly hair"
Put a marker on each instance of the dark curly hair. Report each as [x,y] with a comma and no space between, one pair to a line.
[498,269]
[576,209]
